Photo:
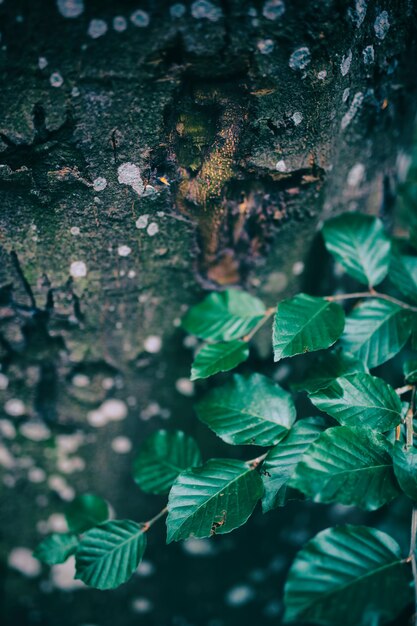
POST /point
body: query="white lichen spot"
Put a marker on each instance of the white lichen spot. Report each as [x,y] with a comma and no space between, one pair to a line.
[78,269]
[42,63]
[140,18]
[300,58]
[297,118]
[124,250]
[75,92]
[61,487]
[280,166]
[4,382]
[346,62]
[239,595]
[153,344]
[8,430]
[185,386]
[198,547]
[356,175]
[177,10]
[382,25]
[121,445]
[359,13]
[63,576]
[265,46]
[22,560]
[36,475]
[74,230]
[142,221]
[353,109]
[70,8]
[145,568]
[141,605]
[119,23]
[114,410]
[204,9]
[322,75]
[273,9]
[368,55]
[152,229]
[80,380]
[15,407]
[96,419]
[57,523]
[298,268]
[97,28]
[99,183]
[345,94]
[129,174]
[7,460]
[56,79]
[35,431]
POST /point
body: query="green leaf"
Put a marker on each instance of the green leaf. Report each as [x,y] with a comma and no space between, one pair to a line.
[56,548]
[163,456]
[213,499]
[405,469]
[281,461]
[360,400]
[108,555]
[223,316]
[403,274]
[359,243]
[326,368]
[410,370]
[218,357]
[352,466]
[376,331]
[248,410]
[348,575]
[86,511]
[304,324]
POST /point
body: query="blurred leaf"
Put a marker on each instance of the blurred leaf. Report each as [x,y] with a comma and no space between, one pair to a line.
[86,511]
[163,456]
[56,548]
[348,575]
[403,274]
[223,316]
[218,357]
[108,555]
[248,410]
[360,400]
[281,461]
[405,469]
[304,324]
[410,370]
[359,243]
[213,499]
[376,331]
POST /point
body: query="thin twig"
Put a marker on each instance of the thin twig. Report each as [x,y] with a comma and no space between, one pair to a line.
[257,461]
[401,390]
[268,313]
[370,294]
[152,521]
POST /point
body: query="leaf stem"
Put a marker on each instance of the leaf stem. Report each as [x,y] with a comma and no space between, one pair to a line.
[268,313]
[152,521]
[401,390]
[370,294]
[413,538]
[257,461]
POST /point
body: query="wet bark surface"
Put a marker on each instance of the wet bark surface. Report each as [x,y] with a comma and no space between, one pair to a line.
[150,153]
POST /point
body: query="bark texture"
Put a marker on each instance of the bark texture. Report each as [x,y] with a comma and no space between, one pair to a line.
[149,153]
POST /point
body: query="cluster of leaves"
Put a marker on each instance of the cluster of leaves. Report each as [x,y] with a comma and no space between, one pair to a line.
[353,451]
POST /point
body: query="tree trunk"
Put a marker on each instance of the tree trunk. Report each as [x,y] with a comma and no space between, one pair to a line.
[147,156]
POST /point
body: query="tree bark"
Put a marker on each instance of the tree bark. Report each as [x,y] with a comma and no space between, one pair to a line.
[146,157]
